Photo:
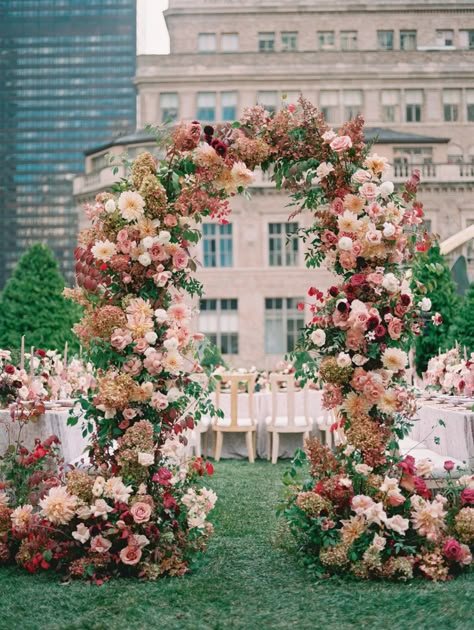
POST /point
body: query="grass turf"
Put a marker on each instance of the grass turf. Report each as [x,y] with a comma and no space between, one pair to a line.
[243,581]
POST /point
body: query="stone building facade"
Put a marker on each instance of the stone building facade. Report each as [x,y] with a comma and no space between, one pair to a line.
[407,67]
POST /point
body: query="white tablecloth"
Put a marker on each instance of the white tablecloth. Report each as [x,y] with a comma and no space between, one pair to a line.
[234,443]
[53,422]
[456,439]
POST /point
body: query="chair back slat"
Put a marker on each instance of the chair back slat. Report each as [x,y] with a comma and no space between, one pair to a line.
[289,379]
[235,380]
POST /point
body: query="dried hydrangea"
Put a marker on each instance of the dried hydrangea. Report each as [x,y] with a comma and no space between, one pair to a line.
[154,194]
[464,525]
[335,556]
[80,484]
[313,504]
[400,568]
[144,165]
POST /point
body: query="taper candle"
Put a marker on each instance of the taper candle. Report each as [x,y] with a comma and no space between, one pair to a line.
[22,353]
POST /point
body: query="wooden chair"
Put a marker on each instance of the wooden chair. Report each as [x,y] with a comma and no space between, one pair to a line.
[289,423]
[235,423]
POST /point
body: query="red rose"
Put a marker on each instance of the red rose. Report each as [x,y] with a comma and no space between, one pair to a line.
[357,279]
[209,468]
[452,550]
[467,496]
[169,501]
[334,291]
[407,465]
[9,369]
[421,488]
[448,465]
[40,353]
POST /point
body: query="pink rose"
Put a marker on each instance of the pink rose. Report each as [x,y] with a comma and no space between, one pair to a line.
[159,401]
[140,512]
[356,248]
[153,362]
[120,339]
[131,555]
[341,143]
[99,544]
[129,413]
[133,366]
[141,345]
[347,260]
[361,176]
[448,465]
[125,247]
[375,278]
[452,550]
[467,496]
[395,328]
[337,206]
[328,237]
[170,220]
[180,260]
[369,191]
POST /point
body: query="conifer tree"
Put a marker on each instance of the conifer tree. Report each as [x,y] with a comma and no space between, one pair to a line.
[32,304]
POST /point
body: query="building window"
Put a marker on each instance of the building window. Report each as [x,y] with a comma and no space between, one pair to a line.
[282,244]
[413,105]
[230,42]
[266,42]
[217,245]
[219,321]
[451,105]
[445,37]
[207,42]
[348,40]
[169,106]
[407,40]
[283,324]
[466,39]
[289,41]
[390,101]
[206,106]
[455,154]
[268,100]
[470,105]
[352,100]
[385,40]
[407,158]
[229,106]
[329,105]
[326,40]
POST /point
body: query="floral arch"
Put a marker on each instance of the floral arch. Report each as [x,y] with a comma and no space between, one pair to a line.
[363,510]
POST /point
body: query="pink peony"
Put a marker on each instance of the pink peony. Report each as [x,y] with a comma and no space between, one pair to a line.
[140,512]
[153,362]
[120,339]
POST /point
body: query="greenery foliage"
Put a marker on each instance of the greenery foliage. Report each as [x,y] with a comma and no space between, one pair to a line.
[32,304]
[432,271]
[463,329]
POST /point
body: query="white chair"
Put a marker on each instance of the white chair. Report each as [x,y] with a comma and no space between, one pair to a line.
[234,422]
[290,422]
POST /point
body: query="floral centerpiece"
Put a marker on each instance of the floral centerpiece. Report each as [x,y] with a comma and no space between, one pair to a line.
[449,374]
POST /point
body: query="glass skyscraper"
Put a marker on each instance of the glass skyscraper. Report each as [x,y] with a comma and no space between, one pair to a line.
[66,84]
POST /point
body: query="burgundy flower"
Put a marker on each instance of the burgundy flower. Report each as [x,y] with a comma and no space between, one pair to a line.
[380,331]
[372,322]
[357,279]
[334,291]
[452,550]
[467,496]
[9,369]
[163,477]
[405,299]
[407,465]
[421,488]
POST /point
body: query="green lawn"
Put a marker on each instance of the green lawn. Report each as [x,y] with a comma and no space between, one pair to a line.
[243,581]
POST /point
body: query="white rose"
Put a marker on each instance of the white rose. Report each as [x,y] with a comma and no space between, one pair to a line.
[151,337]
[324,169]
[23,392]
[148,242]
[98,487]
[146,459]
[359,360]
[144,259]
[173,394]
[110,206]
[349,450]
[386,189]
[343,360]
[425,304]
[345,244]
[161,315]
[82,533]
[388,230]
[363,469]
[390,283]
[171,344]
[328,136]
[318,337]
[164,237]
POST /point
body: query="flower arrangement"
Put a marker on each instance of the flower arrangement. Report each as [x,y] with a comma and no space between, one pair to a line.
[361,510]
[449,374]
